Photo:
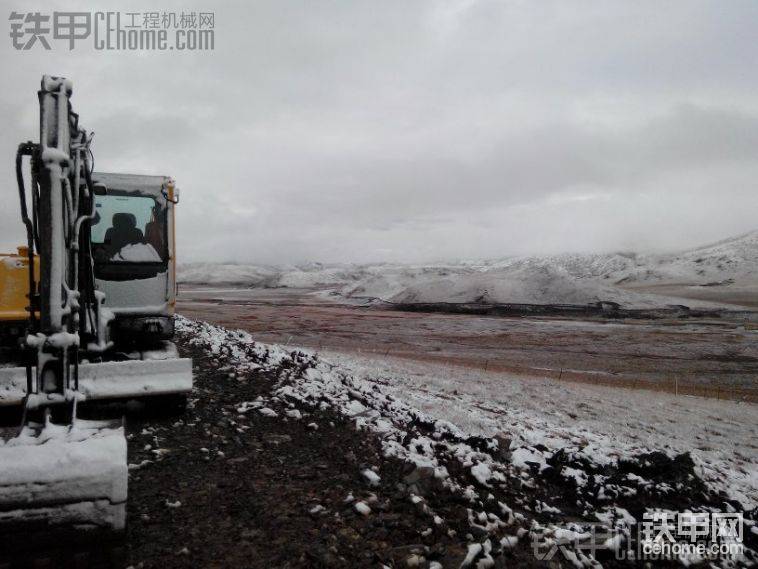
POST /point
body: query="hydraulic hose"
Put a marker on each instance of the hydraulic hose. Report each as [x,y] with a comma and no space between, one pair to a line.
[27,149]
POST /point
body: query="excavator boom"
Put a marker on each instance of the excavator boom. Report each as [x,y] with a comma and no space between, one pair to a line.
[63,473]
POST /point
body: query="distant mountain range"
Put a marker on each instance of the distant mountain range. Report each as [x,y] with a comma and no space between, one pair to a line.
[626,278]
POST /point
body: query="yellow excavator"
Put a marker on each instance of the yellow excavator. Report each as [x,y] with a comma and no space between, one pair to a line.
[86,314]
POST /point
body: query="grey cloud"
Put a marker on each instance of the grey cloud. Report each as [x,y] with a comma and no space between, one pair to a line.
[361,131]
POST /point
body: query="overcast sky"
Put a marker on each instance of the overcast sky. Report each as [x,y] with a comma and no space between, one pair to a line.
[421,131]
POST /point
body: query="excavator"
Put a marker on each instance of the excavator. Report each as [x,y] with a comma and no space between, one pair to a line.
[86,315]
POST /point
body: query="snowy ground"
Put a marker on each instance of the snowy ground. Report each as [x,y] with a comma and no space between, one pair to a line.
[721,436]
[529,460]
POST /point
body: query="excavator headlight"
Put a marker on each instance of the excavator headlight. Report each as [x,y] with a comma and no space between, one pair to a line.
[171,194]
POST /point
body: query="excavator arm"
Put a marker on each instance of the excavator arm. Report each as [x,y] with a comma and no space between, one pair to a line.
[69,473]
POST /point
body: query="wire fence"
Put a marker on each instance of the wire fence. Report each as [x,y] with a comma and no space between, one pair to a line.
[673,386]
[663,385]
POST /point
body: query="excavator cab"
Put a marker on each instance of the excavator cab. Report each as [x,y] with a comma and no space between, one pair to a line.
[133,250]
[133,257]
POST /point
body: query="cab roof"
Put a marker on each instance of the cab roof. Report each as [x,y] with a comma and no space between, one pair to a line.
[131,182]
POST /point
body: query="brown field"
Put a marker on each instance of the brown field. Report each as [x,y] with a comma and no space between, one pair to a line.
[716,357]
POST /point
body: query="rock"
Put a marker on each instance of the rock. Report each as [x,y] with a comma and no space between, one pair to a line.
[503,447]
[414,560]
[419,473]
[267,412]
[277,439]
[420,480]
[371,477]
[362,508]
[478,532]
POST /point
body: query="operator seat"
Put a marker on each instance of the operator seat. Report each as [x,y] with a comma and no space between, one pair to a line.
[124,232]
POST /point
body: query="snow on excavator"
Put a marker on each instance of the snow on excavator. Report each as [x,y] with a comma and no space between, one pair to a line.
[86,313]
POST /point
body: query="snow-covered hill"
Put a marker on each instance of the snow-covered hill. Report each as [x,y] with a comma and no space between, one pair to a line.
[228,273]
[735,258]
[258,276]
[569,278]
[522,282]
[731,259]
